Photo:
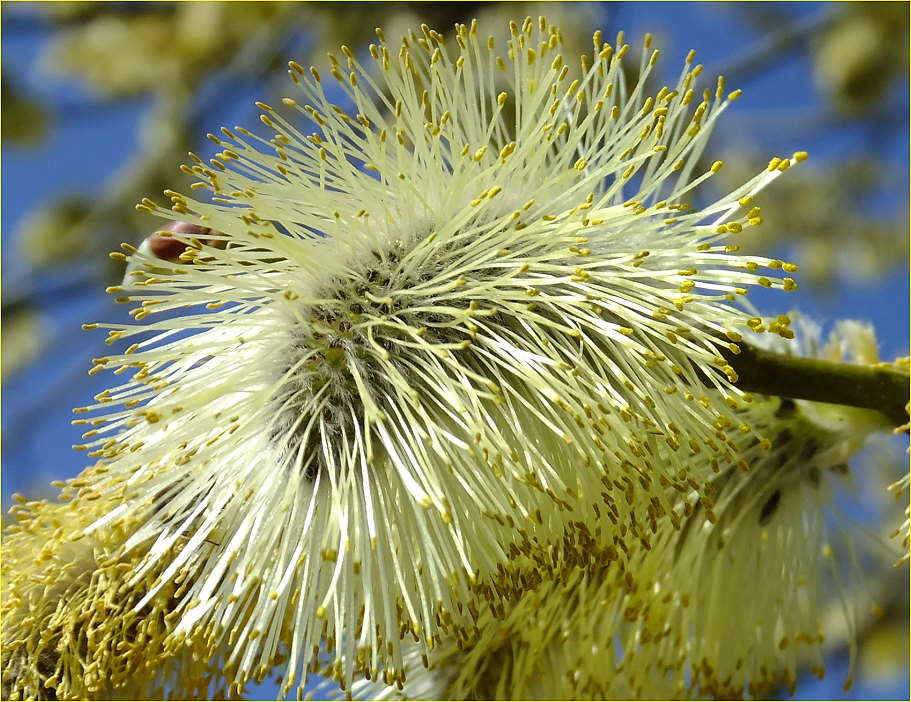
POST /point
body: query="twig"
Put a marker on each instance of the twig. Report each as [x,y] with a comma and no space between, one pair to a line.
[881,388]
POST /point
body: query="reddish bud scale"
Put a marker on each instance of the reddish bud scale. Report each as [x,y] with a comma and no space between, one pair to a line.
[169,248]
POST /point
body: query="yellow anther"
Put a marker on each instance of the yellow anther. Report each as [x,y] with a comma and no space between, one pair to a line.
[719,91]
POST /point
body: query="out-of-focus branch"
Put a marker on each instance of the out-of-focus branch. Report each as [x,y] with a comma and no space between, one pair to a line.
[182,114]
[756,58]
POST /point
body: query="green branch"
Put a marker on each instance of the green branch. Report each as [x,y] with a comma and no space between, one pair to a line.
[881,388]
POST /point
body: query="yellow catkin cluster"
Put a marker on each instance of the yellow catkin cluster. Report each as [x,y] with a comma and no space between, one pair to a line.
[70,627]
[466,321]
[731,605]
